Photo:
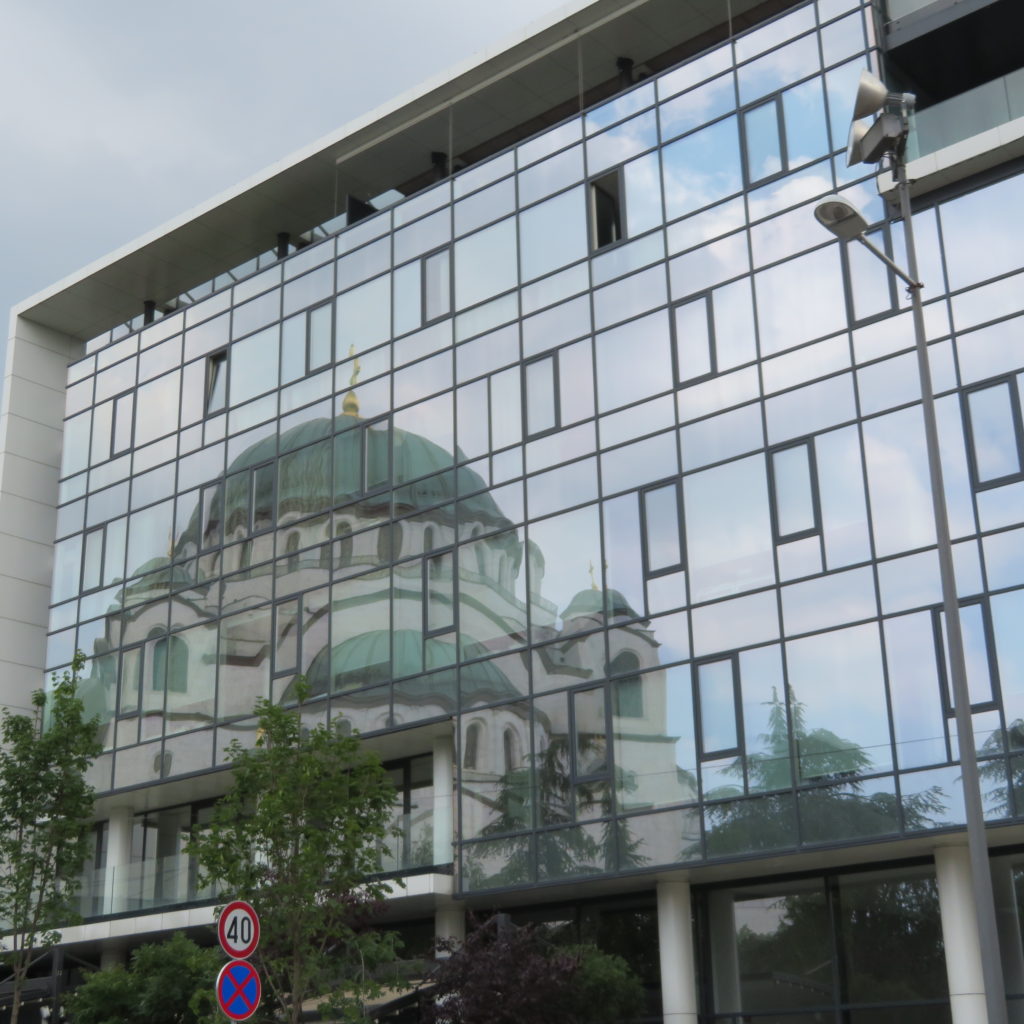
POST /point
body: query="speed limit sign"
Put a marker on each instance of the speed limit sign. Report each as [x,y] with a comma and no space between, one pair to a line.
[238,929]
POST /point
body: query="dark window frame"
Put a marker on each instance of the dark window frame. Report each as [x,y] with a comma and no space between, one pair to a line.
[945,682]
[329,306]
[648,572]
[442,557]
[749,180]
[617,198]
[114,418]
[556,384]
[812,468]
[737,705]
[1017,423]
[426,321]
[677,368]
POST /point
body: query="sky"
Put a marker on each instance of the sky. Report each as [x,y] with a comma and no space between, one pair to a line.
[117,115]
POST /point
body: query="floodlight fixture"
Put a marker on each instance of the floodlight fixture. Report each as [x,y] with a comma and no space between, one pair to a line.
[869,143]
[872,93]
[841,217]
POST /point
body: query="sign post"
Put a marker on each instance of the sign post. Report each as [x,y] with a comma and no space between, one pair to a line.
[238,985]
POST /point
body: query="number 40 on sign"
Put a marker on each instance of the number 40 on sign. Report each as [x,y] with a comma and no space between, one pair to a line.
[238,930]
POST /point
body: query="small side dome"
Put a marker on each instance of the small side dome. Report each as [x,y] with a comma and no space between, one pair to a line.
[593,602]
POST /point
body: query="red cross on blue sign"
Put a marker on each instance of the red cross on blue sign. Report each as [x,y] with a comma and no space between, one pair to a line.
[238,989]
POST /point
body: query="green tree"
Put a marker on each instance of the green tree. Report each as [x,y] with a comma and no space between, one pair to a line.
[45,808]
[168,982]
[297,835]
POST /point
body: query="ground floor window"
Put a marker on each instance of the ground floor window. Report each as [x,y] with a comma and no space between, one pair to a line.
[861,948]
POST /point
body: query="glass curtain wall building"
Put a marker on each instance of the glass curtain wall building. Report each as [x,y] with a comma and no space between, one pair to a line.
[581,471]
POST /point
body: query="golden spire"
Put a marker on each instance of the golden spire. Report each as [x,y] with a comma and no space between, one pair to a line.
[350,403]
[593,581]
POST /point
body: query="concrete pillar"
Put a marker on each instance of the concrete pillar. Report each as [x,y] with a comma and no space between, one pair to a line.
[31,430]
[1010,946]
[960,936]
[449,923]
[119,856]
[444,817]
[675,947]
[725,964]
[112,956]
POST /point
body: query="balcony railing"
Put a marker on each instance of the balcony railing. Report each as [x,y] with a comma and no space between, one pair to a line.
[141,887]
[901,8]
[172,881]
[971,113]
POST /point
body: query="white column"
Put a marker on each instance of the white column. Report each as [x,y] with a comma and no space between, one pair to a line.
[960,936]
[119,856]
[725,965]
[111,957]
[675,947]
[31,429]
[444,818]
[450,923]
[1010,945]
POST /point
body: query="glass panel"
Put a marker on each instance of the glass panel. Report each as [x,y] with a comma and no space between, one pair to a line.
[841,726]
[363,317]
[485,263]
[728,529]
[774,937]
[642,345]
[806,130]
[702,168]
[254,365]
[553,233]
[891,939]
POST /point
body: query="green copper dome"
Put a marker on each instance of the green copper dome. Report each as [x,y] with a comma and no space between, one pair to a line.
[325,463]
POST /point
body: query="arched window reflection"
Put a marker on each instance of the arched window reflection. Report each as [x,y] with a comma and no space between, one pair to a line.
[472,752]
[510,749]
[170,664]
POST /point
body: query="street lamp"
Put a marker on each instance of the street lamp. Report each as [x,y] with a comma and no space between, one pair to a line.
[887,135]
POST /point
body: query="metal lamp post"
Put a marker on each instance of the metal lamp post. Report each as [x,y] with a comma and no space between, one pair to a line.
[868,144]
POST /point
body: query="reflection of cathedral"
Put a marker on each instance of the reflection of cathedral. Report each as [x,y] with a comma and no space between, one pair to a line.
[391,643]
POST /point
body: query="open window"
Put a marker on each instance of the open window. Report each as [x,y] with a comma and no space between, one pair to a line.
[216,382]
[606,210]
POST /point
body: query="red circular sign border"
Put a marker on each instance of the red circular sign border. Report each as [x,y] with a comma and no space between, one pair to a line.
[247,951]
[259,989]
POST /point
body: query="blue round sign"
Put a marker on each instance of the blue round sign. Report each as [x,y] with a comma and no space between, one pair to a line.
[238,989]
